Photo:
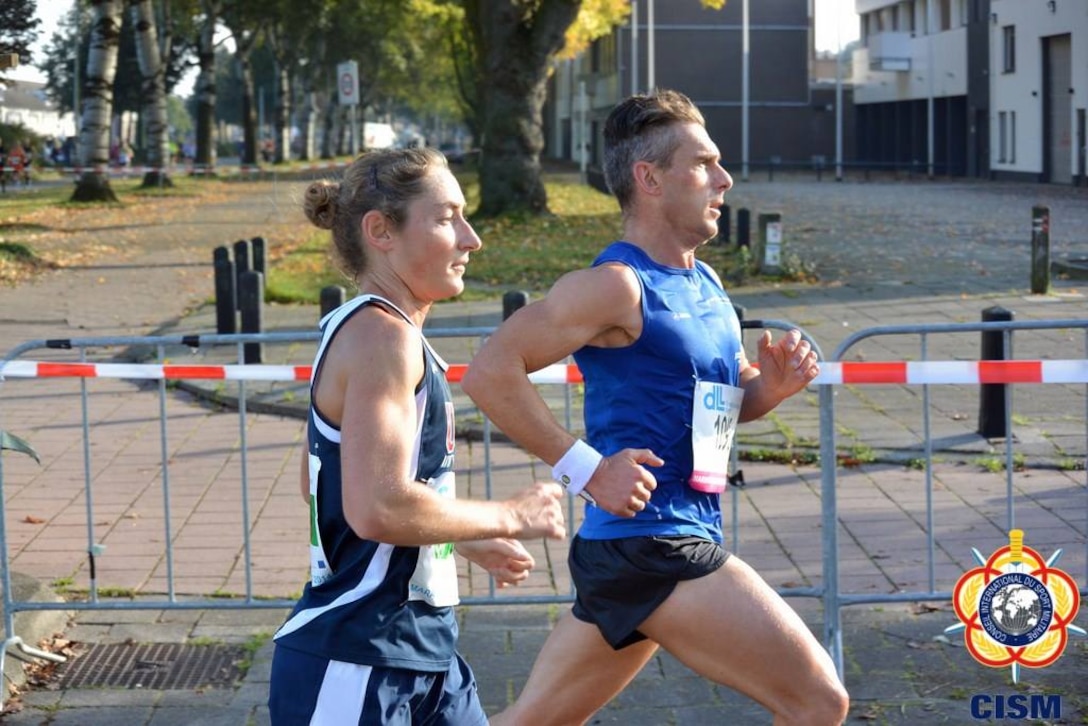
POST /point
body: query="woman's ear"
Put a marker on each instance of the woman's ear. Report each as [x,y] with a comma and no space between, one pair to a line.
[376,229]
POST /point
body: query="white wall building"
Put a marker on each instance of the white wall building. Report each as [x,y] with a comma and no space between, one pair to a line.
[974,87]
[1039,89]
[25,102]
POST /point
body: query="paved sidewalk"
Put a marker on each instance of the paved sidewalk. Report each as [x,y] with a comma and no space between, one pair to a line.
[899,667]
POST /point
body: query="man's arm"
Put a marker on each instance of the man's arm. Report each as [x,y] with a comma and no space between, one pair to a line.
[598,306]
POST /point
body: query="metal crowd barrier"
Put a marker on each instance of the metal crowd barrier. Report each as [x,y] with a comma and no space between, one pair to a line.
[834,372]
[925,374]
[165,374]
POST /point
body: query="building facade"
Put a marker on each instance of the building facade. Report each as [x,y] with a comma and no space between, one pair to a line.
[791,121]
[25,103]
[985,88]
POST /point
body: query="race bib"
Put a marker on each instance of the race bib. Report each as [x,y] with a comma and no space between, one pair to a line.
[319,563]
[435,578]
[713,422]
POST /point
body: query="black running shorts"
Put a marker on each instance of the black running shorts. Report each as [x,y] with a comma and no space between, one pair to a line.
[620,582]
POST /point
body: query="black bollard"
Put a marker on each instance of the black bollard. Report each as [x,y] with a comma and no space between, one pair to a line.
[744,227]
[991,409]
[258,247]
[243,263]
[723,226]
[225,302]
[1040,250]
[332,297]
[250,299]
[512,301]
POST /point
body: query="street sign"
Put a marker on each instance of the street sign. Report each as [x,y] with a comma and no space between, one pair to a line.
[347,75]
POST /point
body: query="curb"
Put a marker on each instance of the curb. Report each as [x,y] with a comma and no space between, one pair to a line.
[32,626]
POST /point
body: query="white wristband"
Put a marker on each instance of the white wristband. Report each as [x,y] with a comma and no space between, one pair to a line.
[576,467]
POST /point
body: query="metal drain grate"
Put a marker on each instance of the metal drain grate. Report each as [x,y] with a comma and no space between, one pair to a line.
[157,666]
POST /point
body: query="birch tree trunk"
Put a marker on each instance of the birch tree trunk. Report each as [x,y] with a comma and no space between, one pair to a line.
[153,90]
[94,135]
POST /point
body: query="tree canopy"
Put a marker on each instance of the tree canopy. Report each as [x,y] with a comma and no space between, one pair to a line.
[481,63]
[18,28]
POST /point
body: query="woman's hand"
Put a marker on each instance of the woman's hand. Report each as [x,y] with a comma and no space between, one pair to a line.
[506,560]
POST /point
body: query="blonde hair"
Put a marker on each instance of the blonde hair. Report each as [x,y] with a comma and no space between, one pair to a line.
[386,180]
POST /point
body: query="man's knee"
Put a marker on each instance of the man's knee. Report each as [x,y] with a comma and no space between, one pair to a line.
[825,705]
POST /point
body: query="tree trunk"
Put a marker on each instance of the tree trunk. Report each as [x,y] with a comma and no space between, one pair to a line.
[153,90]
[308,123]
[515,47]
[343,133]
[282,112]
[205,93]
[94,135]
[327,139]
[249,114]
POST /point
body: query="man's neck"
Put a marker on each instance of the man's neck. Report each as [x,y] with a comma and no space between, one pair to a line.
[659,242]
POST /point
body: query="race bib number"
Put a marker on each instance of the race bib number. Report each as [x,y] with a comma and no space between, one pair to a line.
[713,422]
[435,578]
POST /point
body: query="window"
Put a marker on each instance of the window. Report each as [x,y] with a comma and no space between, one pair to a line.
[1012,137]
[1009,48]
[602,56]
[1001,137]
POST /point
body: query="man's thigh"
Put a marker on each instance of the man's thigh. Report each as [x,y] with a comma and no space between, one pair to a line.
[733,628]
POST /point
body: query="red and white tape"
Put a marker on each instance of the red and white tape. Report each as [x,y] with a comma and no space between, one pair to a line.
[948,372]
[145,371]
[852,373]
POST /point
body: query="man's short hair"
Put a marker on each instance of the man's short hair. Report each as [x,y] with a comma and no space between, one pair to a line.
[640,128]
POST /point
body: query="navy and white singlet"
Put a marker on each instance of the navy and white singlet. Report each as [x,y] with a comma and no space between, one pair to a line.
[367,602]
[641,395]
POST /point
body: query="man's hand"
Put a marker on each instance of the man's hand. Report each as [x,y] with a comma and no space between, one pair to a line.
[622,485]
[787,366]
[506,560]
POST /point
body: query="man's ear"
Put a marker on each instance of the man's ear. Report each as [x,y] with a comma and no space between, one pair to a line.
[646,175]
[376,230]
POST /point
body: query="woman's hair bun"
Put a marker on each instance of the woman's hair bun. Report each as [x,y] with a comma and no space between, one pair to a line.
[320,204]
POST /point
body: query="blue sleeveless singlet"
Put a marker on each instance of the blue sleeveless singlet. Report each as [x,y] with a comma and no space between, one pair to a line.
[641,395]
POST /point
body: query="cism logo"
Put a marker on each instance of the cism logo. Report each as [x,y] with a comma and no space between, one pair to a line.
[1016,706]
